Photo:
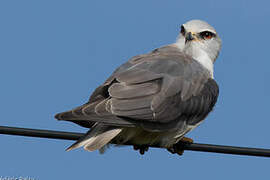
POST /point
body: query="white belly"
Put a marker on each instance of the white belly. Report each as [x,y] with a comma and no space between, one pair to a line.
[138,136]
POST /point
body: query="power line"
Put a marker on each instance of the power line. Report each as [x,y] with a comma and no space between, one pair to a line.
[185,146]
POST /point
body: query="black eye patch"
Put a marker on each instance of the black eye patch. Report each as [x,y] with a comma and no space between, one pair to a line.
[183,31]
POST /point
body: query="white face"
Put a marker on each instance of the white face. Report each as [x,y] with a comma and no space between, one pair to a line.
[198,38]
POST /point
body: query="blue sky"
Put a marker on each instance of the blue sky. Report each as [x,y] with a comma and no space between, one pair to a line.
[54,53]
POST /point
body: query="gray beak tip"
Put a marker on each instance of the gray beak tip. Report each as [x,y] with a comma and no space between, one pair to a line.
[189,37]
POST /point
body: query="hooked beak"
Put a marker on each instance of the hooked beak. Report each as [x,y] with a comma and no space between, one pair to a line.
[189,37]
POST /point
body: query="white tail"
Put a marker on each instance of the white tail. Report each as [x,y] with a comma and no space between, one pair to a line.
[96,138]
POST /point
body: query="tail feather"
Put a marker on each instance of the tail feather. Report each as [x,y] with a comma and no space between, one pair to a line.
[96,138]
[101,140]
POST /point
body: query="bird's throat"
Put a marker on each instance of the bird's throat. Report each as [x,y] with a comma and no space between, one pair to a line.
[202,57]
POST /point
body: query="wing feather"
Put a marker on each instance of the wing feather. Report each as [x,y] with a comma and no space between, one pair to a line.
[124,91]
[151,90]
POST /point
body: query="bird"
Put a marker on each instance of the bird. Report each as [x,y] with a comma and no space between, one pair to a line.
[154,98]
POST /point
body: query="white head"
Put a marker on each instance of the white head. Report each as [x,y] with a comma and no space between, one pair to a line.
[199,40]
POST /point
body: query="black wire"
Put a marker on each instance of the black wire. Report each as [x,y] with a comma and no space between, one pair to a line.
[185,146]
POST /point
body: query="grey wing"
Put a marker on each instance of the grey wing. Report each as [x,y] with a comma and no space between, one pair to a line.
[151,91]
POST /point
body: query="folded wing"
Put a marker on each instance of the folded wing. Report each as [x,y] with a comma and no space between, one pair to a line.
[154,91]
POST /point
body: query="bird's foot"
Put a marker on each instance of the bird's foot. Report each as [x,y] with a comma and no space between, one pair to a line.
[186,140]
[176,150]
[141,148]
[179,147]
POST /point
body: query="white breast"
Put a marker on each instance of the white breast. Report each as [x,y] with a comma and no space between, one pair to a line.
[197,53]
[203,58]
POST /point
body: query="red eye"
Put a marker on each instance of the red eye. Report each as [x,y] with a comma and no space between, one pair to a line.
[207,35]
